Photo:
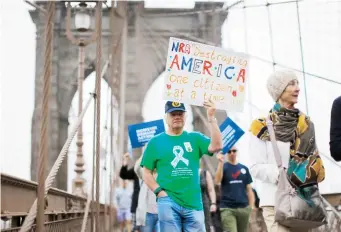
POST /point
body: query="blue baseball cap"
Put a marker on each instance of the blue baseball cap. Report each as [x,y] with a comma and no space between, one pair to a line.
[174,106]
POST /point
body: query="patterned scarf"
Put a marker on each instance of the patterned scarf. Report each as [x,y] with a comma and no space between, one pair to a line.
[305,165]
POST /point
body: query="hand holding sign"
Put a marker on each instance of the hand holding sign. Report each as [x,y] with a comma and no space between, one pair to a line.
[126,158]
[220,157]
[230,133]
[211,108]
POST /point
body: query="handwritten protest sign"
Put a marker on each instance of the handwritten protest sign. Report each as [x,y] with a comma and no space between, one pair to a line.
[141,133]
[230,133]
[196,72]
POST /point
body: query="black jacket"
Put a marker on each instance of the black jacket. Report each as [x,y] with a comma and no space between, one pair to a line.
[129,174]
[335,130]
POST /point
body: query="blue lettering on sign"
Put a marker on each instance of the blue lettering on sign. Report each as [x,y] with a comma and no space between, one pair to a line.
[188,63]
[226,74]
[175,46]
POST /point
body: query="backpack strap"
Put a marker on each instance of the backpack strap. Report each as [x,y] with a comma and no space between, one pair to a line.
[274,142]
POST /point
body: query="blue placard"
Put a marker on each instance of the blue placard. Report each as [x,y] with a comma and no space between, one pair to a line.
[230,133]
[141,133]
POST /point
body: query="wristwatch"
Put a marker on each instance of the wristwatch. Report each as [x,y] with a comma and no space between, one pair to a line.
[158,190]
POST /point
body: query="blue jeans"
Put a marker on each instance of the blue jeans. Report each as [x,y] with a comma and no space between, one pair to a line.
[175,218]
[152,223]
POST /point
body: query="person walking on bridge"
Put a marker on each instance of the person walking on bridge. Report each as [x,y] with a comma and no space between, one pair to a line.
[297,149]
[176,154]
[237,197]
[129,174]
[122,200]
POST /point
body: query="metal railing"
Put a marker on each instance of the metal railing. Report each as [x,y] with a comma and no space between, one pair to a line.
[63,211]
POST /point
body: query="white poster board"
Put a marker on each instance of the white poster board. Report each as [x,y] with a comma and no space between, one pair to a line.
[196,72]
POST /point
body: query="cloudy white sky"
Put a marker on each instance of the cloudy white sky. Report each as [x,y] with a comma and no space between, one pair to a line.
[321,36]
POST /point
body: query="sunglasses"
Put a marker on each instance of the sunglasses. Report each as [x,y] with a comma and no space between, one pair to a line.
[234,151]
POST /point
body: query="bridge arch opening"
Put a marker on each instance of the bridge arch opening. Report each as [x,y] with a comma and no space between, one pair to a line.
[88,133]
[154,105]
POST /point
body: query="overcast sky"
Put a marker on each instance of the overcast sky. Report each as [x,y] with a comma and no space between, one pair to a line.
[322,56]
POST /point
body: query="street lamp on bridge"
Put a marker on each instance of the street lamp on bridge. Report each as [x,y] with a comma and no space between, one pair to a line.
[82,24]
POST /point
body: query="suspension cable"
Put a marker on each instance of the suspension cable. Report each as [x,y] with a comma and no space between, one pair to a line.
[105,158]
[271,36]
[111,158]
[98,108]
[114,83]
[93,170]
[302,56]
[43,145]
[91,190]
[247,51]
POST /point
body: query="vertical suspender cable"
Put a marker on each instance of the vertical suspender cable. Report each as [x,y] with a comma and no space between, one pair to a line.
[93,168]
[271,36]
[247,51]
[98,108]
[302,57]
[123,81]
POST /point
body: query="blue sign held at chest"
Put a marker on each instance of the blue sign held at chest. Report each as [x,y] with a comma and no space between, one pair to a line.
[230,133]
[140,134]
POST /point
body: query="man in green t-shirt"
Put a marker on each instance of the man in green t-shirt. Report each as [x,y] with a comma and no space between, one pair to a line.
[176,154]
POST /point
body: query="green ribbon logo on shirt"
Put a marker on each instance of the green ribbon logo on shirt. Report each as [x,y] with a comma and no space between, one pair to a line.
[178,152]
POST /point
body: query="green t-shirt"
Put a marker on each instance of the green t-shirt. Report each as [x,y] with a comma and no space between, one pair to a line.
[176,159]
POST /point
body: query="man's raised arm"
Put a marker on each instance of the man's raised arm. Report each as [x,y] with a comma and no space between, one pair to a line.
[216,140]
